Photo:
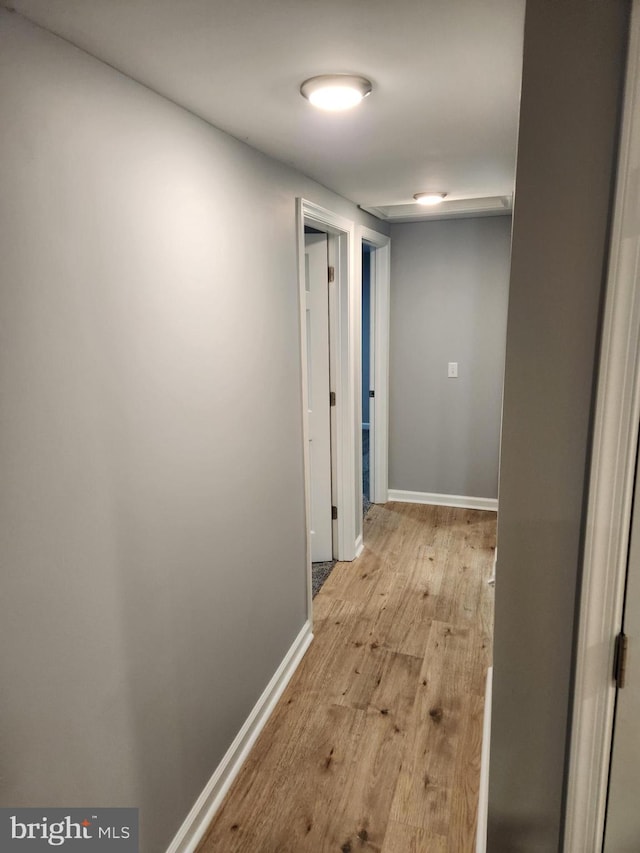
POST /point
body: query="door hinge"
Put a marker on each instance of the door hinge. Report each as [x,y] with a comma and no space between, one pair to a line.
[332,398]
[372,393]
[620,660]
[332,274]
[334,512]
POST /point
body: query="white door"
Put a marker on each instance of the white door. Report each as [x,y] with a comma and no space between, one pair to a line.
[319,424]
[372,370]
[622,834]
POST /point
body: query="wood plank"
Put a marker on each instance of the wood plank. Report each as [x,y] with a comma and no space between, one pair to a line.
[291,805]
[464,805]
[402,838]
[362,817]
[431,774]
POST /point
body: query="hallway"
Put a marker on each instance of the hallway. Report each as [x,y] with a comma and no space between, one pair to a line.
[375,744]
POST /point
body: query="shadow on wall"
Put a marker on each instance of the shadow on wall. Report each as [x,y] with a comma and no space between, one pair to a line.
[522,836]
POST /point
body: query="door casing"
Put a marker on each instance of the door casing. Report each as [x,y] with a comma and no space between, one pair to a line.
[379,381]
[344,338]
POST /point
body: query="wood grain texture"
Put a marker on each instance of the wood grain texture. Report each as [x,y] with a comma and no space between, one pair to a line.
[375,745]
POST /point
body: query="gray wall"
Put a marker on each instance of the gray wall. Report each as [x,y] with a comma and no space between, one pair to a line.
[449,293]
[152,547]
[573,64]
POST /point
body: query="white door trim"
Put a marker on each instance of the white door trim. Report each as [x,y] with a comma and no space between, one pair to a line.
[370,332]
[610,492]
[343,381]
[380,295]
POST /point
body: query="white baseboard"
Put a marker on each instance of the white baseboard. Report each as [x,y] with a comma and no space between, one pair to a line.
[461,501]
[359,545]
[197,821]
[483,794]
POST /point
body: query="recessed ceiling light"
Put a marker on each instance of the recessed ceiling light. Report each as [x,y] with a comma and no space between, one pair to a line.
[430,198]
[336,91]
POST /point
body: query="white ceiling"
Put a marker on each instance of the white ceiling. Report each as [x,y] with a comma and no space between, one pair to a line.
[446,74]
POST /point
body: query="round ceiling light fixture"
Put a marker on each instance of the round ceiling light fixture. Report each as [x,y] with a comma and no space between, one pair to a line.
[336,92]
[430,198]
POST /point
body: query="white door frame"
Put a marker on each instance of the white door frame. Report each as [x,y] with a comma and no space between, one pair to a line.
[380,300]
[610,492]
[370,333]
[344,326]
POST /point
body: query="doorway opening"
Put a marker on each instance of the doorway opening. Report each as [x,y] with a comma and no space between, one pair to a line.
[373,430]
[321,396]
[368,390]
[328,334]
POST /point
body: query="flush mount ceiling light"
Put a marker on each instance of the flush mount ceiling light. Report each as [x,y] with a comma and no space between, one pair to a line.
[430,198]
[336,92]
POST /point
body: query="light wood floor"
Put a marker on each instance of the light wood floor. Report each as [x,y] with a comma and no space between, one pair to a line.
[375,745]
